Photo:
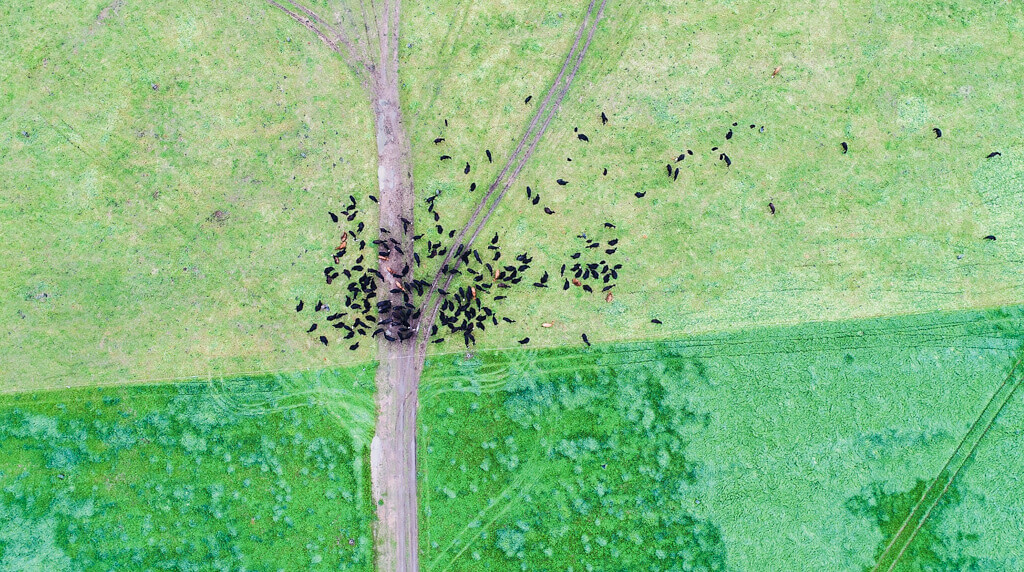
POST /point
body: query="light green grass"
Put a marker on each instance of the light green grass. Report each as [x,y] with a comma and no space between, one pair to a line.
[795,448]
[105,205]
[256,474]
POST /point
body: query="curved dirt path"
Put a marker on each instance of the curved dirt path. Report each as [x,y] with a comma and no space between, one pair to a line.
[432,301]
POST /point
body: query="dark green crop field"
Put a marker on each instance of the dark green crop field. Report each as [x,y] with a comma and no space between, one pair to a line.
[798,448]
[247,474]
[803,446]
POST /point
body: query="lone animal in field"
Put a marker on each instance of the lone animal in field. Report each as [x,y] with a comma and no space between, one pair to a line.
[937,131]
[582,137]
[993,154]
[604,118]
[438,140]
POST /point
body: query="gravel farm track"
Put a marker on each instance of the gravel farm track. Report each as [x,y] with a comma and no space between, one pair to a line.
[375,62]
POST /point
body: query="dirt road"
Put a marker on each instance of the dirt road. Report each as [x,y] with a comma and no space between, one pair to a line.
[373,58]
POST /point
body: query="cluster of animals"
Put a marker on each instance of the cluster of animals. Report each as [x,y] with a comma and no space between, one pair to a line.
[483,280]
[469,307]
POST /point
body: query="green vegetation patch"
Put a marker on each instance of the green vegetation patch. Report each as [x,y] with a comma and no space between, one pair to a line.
[724,451]
[244,474]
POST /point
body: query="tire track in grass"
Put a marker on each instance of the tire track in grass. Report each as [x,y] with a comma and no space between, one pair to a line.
[938,486]
[514,490]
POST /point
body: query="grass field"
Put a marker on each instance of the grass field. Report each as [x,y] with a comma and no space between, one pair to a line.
[800,446]
[118,271]
[256,474]
[165,172]
[795,448]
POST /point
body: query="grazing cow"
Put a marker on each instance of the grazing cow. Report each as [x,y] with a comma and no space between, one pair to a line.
[655,321]
[728,135]
[354,346]
[583,137]
[445,157]
[566,285]
[334,217]
[937,131]
[724,157]
[548,211]
[993,154]
[529,192]
[524,341]
[299,307]
[373,198]
[562,182]
[990,237]
[845,147]
[585,340]
[609,297]
[604,118]
[509,320]
[771,207]
[587,288]
[438,140]
[536,198]
[605,173]
[488,151]
[472,187]
[466,170]
[437,341]
[323,340]
[640,195]
[675,174]
[528,98]
[668,167]
[576,282]
[680,157]
[609,225]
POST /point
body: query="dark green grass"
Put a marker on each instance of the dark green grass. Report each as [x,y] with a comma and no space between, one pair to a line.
[244,474]
[769,445]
